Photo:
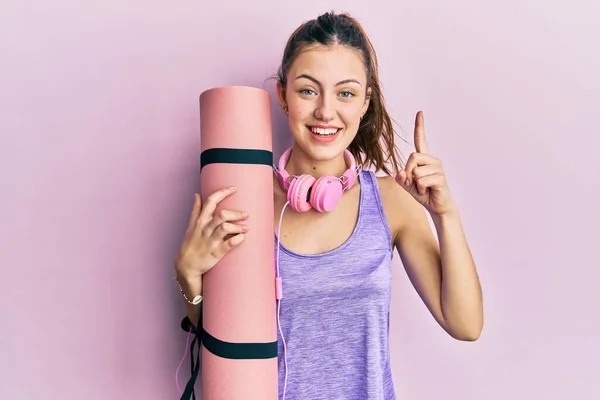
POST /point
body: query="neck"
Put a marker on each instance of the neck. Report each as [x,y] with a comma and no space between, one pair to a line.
[300,163]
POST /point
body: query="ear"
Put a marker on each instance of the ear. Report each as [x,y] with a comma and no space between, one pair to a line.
[367,101]
[280,94]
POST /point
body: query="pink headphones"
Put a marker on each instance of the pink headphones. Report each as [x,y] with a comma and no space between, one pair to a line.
[305,192]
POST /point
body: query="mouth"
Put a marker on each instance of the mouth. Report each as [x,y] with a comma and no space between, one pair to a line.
[323,134]
[324,131]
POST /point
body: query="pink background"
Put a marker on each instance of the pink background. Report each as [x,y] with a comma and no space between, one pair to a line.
[99,159]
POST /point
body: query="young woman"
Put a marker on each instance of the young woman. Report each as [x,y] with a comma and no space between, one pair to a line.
[335,258]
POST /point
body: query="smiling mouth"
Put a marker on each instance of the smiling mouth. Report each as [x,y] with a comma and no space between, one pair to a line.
[324,131]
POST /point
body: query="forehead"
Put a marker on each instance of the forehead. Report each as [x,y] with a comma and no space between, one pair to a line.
[329,64]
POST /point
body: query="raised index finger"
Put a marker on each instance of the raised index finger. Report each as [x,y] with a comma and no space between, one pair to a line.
[420,141]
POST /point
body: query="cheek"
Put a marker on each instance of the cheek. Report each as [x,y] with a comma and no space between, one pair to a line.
[351,114]
[299,112]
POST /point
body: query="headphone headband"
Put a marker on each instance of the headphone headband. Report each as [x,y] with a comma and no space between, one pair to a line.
[347,179]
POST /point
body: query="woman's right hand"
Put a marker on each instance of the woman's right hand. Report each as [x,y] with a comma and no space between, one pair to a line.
[209,235]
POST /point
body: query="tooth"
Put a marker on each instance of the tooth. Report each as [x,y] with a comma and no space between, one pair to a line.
[321,131]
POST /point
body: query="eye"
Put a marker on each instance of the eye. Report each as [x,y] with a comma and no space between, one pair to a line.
[306,92]
[347,94]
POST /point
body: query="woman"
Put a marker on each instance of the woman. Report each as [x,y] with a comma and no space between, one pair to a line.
[335,261]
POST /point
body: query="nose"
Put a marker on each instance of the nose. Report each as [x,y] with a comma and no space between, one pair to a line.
[324,111]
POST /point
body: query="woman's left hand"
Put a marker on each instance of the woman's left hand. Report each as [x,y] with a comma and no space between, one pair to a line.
[423,176]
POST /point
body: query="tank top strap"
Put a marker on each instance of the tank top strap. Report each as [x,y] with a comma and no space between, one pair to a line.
[372,216]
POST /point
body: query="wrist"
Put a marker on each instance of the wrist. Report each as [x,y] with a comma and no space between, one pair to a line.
[189,284]
[449,216]
[191,289]
[184,272]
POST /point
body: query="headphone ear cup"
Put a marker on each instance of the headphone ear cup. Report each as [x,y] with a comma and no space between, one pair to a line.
[326,193]
[298,193]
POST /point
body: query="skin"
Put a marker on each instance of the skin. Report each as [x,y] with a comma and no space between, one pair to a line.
[328,86]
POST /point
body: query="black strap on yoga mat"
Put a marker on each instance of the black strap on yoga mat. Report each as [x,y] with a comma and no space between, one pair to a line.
[235,156]
[220,348]
[239,351]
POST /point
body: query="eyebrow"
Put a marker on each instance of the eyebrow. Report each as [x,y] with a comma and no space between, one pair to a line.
[310,78]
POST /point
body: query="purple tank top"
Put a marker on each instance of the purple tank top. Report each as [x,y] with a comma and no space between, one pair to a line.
[335,312]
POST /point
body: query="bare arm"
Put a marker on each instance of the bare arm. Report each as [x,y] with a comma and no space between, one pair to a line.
[443,274]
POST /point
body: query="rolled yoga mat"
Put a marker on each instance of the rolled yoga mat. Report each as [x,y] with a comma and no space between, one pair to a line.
[239,349]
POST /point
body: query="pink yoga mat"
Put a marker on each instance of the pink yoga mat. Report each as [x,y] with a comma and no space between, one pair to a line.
[239,359]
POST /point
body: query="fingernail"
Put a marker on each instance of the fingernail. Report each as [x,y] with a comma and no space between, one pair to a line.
[232,188]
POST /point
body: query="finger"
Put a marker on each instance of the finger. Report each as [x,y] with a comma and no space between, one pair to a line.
[429,182]
[228,228]
[221,217]
[401,177]
[420,142]
[226,246]
[410,187]
[206,214]
[425,170]
[415,160]
[195,211]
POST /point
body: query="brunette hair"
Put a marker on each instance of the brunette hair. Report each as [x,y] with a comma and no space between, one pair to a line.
[374,143]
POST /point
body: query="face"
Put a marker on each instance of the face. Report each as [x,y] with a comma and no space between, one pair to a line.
[326,95]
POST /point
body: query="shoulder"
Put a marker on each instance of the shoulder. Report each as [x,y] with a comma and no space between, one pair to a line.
[401,209]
